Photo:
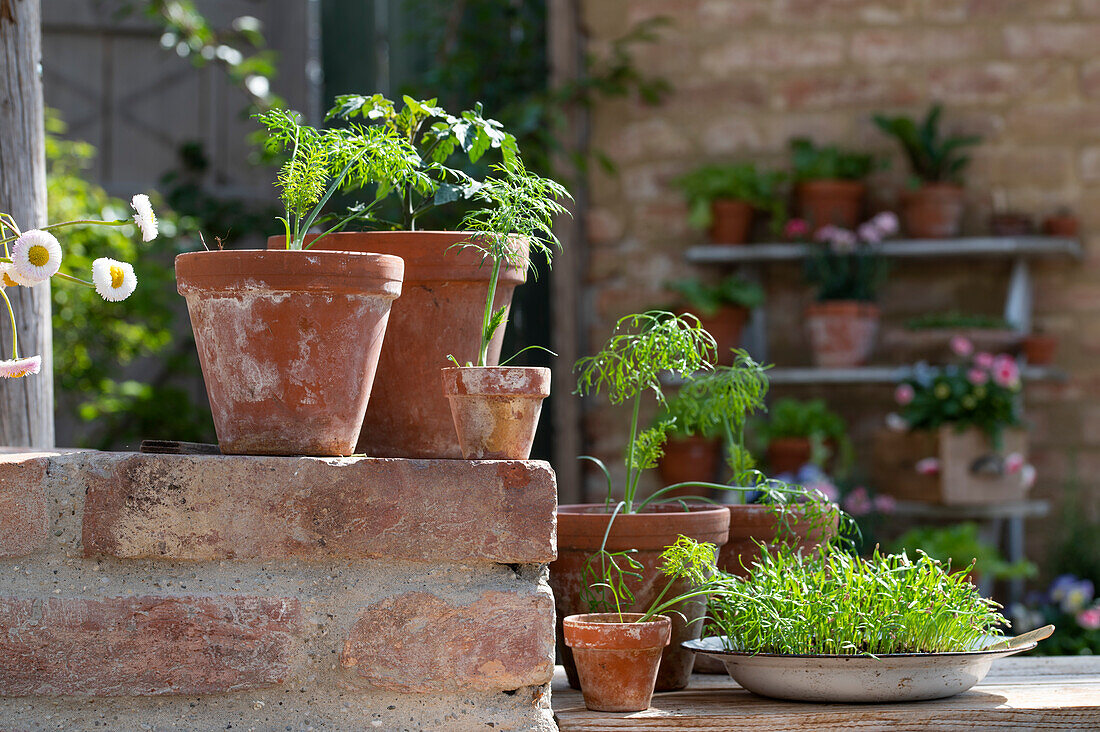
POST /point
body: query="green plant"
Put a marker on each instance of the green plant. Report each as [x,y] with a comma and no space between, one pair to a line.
[828,162]
[960,543]
[933,156]
[741,182]
[708,299]
[433,136]
[519,206]
[846,268]
[956,319]
[828,601]
[812,420]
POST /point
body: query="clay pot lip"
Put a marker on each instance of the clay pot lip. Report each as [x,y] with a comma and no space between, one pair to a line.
[833,185]
[582,526]
[496,381]
[429,256]
[837,307]
[730,203]
[295,271]
[606,631]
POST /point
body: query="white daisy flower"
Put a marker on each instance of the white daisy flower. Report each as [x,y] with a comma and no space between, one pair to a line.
[36,257]
[12,278]
[144,218]
[113,280]
[18,367]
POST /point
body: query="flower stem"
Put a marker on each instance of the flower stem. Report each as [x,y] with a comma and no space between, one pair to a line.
[119,222]
[14,333]
[70,278]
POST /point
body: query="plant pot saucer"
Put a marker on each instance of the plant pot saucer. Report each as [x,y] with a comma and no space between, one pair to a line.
[895,677]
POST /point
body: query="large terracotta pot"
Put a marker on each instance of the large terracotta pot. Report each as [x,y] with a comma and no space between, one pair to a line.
[272,331]
[689,458]
[933,211]
[580,533]
[496,409]
[617,658]
[731,221]
[842,332]
[788,454]
[439,315]
[836,202]
[726,325]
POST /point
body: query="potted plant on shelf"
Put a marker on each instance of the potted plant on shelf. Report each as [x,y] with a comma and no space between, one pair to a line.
[723,199]
[929,337]
[847,272]
[960,544]
[829,183]
[288,340]
[723,309]
[618,653]
[496,408]
[1040,347]
[441,309]
[692,451]
[961,438]
[800,432]
[932,208]
[1062,223]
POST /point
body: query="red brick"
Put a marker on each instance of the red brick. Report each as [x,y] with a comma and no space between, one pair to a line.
[773,50]
[823,91]
[1055,123]
[420,643]
[23,521]
[887,46]
[878,12]
[237,507]
[1076,40]
[949,11]
[141,646]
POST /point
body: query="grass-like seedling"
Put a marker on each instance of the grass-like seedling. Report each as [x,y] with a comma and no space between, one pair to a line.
[830,602]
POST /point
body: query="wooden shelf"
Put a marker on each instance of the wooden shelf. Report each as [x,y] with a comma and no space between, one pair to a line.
[1006,247]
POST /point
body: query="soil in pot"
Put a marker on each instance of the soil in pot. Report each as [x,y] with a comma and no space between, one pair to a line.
[272,332]
[689,458]
[933,211]
[580,533]
[617,658]
[1039,349]
[836,202]
[788,454]
[726,325]
[439,314]
[496,409]
[842,332]
[731,221]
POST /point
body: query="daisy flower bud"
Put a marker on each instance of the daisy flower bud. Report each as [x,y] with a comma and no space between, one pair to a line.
[36,257]
[18,367]
[113,280]
[145,219]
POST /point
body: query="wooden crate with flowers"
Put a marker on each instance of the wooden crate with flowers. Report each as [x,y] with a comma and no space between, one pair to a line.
[958,437]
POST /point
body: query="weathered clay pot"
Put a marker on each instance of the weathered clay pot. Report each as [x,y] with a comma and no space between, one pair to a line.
[689,458]
[726,325]
[731,221]
[837,202]
[1066,225]
[272,331]
[580,532]
[617,658]
[1039,349]
[439,314]
[933,211]
[496,409]
[788,454]
[842,332]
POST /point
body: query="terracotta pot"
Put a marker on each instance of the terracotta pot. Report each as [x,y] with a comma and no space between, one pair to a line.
[272,331]
[1039,349]
[1061,225]
[617,661]
[731,221]
[689,458]
[842,332]
[496,409]
[837,202]
[439,314]
[788,454]
[580,532]
[933,211]
[726,326]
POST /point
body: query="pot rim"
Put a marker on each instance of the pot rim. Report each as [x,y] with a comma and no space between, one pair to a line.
[262,270]
[583,525]
[592,630]
[496,381]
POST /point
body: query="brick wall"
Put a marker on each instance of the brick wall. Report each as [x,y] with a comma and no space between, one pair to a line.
[749,74]
[185,592]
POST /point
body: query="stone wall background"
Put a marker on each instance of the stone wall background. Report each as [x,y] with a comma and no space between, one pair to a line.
[747,75]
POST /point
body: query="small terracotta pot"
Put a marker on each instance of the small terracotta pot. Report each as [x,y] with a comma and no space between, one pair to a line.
[933,211]
[439,314]
[837,202]
[726,325]
[1061,225]
[581,531]
[689,458]
[1039,349]
[842,332]
[731,221]
[788,454]
[496,409]
[617,661]
[288,343]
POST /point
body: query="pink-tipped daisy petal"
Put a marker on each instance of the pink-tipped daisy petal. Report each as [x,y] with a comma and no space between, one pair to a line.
[20,367]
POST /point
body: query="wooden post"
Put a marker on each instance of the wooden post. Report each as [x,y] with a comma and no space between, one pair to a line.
[26,405]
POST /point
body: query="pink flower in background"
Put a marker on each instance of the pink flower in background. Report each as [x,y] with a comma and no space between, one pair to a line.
[885,504]
[886,223]
[896,423]
[1089,619]
[1014,462]
[869,233]
[977,377]
[984,360]
[796,229]
[858,502]
[826,233]
[826,489]
[904,394]
[844,241]
[1005,372]
[1027,476]
[927,466]
[961,346]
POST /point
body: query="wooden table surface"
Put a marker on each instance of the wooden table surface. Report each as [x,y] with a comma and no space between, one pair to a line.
[1021,693]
